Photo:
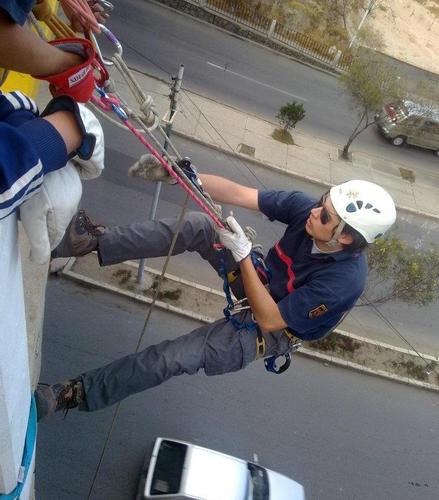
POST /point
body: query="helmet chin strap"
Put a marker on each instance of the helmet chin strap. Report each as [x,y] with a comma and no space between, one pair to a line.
[333,241]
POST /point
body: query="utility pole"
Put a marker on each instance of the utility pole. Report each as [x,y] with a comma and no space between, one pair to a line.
[175,89]
[366,13]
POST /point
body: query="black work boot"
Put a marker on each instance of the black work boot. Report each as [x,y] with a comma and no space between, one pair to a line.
[81,237]
[56,397]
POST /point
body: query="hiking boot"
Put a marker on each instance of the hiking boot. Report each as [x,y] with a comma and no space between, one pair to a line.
[81,237]
[56,397]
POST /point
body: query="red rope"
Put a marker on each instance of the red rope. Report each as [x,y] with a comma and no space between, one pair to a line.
[84,13]
[107,104]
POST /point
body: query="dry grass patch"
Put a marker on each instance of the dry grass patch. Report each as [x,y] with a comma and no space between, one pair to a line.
[281,135]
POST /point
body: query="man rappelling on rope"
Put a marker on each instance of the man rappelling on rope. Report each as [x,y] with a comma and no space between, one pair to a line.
[305,285]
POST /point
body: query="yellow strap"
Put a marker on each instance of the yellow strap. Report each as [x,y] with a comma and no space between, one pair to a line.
[59,28]
[44,11]
[260,347]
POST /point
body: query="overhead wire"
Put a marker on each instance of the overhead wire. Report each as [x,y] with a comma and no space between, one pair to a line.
[386,320]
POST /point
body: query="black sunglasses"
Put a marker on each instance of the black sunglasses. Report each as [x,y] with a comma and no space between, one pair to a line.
[325,216]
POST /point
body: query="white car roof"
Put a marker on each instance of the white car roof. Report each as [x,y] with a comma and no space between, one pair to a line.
[214,476]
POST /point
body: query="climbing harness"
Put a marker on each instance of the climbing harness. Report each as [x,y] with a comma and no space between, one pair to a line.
[271,363]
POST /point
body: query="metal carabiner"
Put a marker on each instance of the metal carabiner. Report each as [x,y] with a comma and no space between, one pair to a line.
[272,366]
[107,6]
[271,362]
[108,102]
[112,38]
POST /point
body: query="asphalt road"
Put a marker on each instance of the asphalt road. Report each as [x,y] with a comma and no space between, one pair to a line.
[157,40]
[343,435]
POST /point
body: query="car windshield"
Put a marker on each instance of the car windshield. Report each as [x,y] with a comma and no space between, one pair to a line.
[168,468]
[258,483]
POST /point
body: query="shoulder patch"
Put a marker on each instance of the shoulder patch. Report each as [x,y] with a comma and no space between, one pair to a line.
[317,311]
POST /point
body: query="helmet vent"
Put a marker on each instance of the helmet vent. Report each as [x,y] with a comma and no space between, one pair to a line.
[351,208]
[368,205]
[359,203]
[377,211]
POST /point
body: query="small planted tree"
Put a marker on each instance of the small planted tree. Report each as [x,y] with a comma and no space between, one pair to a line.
[370,84]
[288,116]
[400,272]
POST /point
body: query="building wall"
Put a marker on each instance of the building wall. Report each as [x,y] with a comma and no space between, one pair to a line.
[15,386]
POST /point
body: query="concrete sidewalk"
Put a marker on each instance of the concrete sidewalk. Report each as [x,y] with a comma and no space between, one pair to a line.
[235,132]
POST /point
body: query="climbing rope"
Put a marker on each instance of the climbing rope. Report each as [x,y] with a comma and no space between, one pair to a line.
[110,101]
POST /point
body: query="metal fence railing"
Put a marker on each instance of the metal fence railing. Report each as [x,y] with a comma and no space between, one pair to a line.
[298,41]
[240,13]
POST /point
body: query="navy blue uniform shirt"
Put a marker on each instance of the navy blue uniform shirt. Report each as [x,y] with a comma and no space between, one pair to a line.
[313,291]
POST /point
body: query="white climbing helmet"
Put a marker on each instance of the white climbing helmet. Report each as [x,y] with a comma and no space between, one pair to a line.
[365,206]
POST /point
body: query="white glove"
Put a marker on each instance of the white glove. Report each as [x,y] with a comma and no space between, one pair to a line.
[47,214]
[235,239]
[92,168]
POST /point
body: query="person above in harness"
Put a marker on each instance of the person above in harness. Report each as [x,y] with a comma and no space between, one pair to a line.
[317,271]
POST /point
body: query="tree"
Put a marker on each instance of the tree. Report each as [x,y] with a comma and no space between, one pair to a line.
[400,272]
[370,84]
[345,8]
[290,114]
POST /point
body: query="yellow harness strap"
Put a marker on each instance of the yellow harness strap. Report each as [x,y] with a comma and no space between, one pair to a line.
[260,347]
[45,12]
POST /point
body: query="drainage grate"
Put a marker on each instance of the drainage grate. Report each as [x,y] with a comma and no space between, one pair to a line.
[407,175]
[246,150]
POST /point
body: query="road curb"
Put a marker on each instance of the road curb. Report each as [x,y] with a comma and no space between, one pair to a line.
[361,368]
[70,272]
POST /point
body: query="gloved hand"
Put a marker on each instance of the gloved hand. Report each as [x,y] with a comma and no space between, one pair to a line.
[46,215]
[77,82]
[235,239]
[92,168]
[16,108]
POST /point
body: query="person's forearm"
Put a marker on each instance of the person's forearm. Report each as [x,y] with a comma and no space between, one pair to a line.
[224,191]
[23,51]
[264,308]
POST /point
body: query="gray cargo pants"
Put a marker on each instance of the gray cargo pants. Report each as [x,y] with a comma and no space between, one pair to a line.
[217,348]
